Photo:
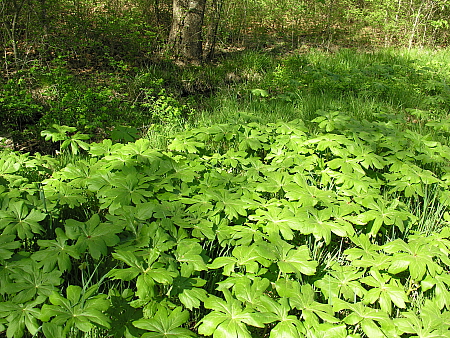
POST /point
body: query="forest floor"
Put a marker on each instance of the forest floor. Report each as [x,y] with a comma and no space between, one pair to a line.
[275,193]
[159,97]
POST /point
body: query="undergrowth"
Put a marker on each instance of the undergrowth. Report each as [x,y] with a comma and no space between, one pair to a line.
[299,196]
[162,99]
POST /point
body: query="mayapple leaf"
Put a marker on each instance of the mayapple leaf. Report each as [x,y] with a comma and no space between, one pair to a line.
[124,274]
[64,193]
[298,261]
[442,293]
[92,235]
[8,245]
[21,316]
[365,248]
[78,173]
[417,255]
[230,203]
[288,328]
[8,165]
[51,330]
[125,134]
[274,182]
[302,297]
[346,165]
[308,195]
[75,144]
[342,281]
[232,330]
[56,251]
[228,264]
[249,291]
[30,280]
[383,213]
[371,329]
[80,309]
[102,149]
[429,322]
[184,145]
[384,290]
[192,297]
[228,318]
[165,323]
[326,330]
[145,287]
[188,254]
[145,210]
[248,258]
[275,219]
[18,219]
[359,312]
[251,140]
[260,92]
[57,133]
[122,313]
[143,266]
[210,322]
[132,260]
[123,188]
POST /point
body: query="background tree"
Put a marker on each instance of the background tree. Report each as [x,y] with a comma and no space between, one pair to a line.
[10,15]
[186,39]
[215,18]
[101,32]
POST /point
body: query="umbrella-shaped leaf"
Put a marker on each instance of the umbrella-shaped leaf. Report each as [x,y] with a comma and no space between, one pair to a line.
[165,323]
[93,236]
[18,219]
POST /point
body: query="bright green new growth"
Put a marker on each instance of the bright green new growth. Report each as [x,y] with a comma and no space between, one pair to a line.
[237,230]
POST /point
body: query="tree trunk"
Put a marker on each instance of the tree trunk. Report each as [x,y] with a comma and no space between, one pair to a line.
[10,17]
[44,21]
[216,14]
[185,37]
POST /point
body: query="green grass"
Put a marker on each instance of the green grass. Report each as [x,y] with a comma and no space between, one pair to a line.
[161,99]
[361,84]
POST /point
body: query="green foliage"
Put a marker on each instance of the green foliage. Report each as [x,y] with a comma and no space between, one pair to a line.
[74,102]
[228,318]
[80,309]
[165,324]
[382,76]
[335,227]
[121,108]
[59,133]
[21,316]
[124,134]
[163,108]
[236,230]
[92,236]
[18,108]
[17,219]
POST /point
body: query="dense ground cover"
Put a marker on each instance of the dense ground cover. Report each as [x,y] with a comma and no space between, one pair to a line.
[162,98]
[296,196]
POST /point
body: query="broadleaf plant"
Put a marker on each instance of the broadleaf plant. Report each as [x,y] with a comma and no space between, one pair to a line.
[81,309]
[234,230]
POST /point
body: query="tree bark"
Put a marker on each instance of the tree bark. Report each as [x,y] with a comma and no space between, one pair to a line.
[216,14]
[185,38]
[10,18]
